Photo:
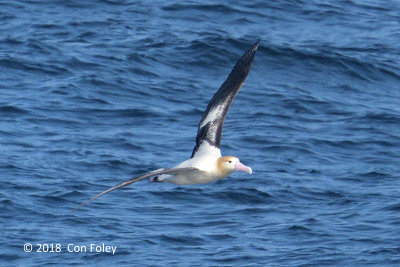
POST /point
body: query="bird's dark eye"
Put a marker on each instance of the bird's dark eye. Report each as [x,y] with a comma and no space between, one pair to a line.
[230,161]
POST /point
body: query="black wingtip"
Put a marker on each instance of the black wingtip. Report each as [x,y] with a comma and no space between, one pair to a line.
[255,45]
[251,52]
[243,65]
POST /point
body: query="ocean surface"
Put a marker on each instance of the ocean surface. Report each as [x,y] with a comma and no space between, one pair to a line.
[96,92]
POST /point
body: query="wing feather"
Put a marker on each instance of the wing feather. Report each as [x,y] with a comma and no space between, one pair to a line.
[139,178]
[210,126]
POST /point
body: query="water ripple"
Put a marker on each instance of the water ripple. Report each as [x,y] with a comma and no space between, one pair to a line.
[96,92]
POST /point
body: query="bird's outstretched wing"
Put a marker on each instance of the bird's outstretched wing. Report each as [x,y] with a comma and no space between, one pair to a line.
[136,179]
[210,126]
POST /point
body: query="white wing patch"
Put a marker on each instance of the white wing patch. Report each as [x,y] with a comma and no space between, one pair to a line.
[208,150]
[214,112]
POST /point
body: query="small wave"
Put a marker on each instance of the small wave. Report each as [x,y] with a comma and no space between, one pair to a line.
[42,48]
[393,207]
[375,174]
[220,237]
[182,240]
[137,57]
[31,66]
[80,64]
[12,110]
[124,112]
[251,195]
[298,228]
[382,117]
[202,7]
[298,148]
[356,67]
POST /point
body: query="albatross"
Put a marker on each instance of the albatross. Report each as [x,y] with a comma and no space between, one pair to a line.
[206,163]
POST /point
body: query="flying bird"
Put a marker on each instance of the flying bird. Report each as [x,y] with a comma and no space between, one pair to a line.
[206,163]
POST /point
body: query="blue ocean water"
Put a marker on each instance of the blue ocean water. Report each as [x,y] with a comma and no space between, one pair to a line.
[95,92]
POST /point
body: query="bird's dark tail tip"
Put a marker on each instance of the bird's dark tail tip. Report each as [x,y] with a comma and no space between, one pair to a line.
[154,179]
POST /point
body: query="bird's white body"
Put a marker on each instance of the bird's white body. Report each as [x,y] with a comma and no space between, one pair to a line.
[206,160]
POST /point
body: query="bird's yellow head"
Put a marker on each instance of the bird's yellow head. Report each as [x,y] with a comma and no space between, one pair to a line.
[228,164]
